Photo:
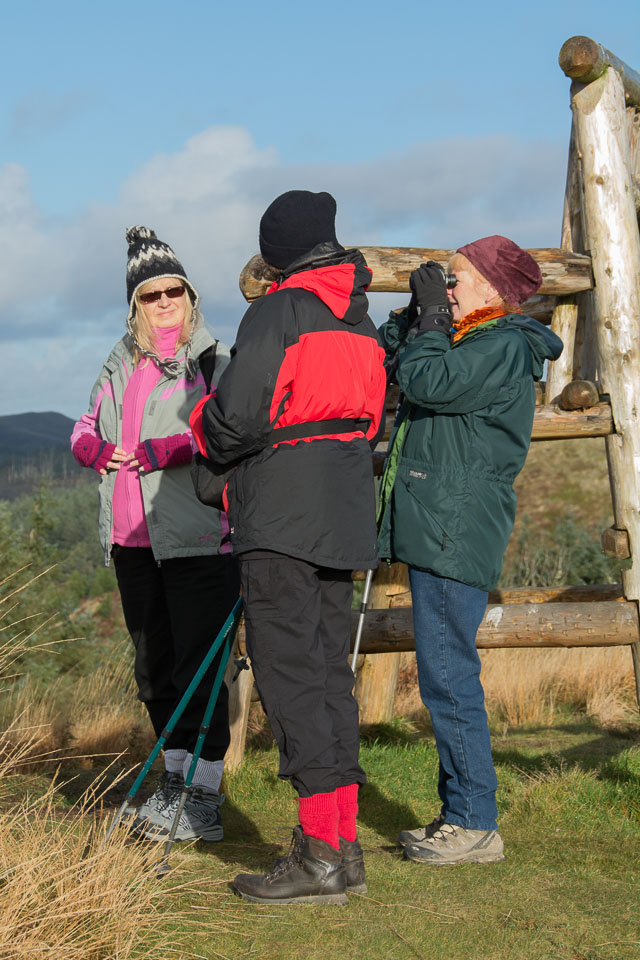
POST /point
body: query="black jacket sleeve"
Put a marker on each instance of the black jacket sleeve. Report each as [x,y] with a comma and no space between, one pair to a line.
[237,420]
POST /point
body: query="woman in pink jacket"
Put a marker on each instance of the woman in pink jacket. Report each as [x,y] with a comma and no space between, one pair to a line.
[171,554]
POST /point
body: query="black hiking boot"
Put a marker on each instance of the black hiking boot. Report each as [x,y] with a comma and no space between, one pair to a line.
[353,860]
[312,872]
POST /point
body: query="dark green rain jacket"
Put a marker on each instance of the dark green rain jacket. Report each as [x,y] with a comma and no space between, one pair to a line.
[460,439]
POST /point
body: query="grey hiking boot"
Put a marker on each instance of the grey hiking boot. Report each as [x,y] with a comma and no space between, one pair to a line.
[353,860]
[420,834]
[312,872]
[200,818]
[453,844]
[169,786]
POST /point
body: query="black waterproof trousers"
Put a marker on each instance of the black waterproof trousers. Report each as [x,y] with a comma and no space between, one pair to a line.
[174,610]
[298,621]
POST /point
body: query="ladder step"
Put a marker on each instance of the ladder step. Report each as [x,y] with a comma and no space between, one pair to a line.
[574,624]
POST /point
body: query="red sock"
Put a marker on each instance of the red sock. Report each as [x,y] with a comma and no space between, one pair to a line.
[319,817]
[347,798]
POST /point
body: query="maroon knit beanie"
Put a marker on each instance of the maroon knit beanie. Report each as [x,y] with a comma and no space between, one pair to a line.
[512,271]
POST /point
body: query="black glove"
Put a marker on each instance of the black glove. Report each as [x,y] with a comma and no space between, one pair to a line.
[430,291]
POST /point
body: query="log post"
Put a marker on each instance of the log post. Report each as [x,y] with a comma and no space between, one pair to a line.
[239,703]
[613,239]
[377,677]
[564,320]
[560,371]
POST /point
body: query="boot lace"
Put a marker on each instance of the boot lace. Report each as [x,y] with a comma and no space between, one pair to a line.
[292,859]
[199,806]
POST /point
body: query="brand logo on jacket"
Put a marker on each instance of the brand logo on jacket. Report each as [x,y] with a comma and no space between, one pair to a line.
[418,475]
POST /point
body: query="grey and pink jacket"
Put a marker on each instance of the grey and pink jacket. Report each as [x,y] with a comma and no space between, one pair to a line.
[174,523]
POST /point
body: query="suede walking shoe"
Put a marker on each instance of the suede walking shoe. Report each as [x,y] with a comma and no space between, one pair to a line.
[199,820]
[453,844]
[312,872]
[420,834]
[353,859]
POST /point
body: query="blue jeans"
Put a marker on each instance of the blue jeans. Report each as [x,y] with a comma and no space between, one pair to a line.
[446,617]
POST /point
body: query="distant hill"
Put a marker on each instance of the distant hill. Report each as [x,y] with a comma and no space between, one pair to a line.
[33,447]
[28,433]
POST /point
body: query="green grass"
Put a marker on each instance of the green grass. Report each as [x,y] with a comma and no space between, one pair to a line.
[569,802]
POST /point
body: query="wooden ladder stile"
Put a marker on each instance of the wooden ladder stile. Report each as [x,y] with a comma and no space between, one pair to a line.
[591,297]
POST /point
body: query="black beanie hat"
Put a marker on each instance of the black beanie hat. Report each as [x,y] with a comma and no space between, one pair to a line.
[294,223]
[149,259]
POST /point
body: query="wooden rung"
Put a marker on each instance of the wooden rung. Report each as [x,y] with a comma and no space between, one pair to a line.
[563,273]
[583,593]
[552,423]
[598,624]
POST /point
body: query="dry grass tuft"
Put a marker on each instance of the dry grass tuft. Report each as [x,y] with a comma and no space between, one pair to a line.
[65,891]
[526,686]
[99,717]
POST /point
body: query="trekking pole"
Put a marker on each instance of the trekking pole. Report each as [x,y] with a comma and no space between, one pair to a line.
[361,615]
[163,866]
[229,625]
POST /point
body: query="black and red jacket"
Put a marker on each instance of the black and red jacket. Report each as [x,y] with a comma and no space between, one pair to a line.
[307,358]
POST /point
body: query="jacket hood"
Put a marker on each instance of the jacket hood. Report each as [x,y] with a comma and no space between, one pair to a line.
[543,342]
[339,277]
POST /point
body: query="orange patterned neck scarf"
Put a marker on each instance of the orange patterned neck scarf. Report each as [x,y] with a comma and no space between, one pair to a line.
[475,319]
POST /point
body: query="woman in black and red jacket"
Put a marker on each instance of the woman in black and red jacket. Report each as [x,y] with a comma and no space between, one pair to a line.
[296,413]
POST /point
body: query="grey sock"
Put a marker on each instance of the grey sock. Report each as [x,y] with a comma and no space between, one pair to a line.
[174,760]
[208,773]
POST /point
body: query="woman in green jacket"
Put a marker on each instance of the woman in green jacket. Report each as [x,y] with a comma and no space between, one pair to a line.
[466,365]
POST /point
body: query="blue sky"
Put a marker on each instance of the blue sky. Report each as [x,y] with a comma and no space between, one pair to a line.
[432,125]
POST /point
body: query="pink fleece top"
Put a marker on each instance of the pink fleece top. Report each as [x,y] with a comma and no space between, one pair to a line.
[129,523]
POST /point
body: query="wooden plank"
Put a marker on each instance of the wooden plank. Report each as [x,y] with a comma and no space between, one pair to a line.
[585,60]
[582,593]
[597,624]
[563,272]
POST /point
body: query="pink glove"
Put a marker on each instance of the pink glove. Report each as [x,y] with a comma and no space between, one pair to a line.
[163,452]
[92,451]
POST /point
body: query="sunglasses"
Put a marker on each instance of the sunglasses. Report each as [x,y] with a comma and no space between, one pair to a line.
[172,292]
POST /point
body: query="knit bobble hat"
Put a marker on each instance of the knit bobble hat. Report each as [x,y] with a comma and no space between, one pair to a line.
[294,224]
[150,259]
[512,271]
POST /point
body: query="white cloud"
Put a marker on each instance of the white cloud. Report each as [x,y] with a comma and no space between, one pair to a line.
[63,283]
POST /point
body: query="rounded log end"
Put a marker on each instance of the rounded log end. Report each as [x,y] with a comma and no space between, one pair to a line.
[578,395]
[581,59]
[256,277]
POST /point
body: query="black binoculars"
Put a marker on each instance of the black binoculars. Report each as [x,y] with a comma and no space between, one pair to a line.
[450,279]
